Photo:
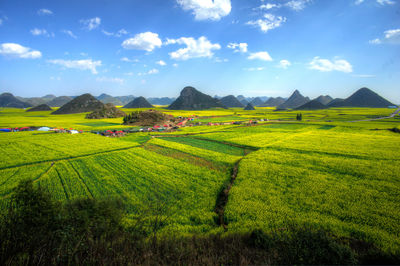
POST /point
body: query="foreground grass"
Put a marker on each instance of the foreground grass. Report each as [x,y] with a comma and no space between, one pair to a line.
[89,231]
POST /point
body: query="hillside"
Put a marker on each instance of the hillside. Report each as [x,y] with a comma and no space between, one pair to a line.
[231,101]
[161,100]
[80,104]
[294,101]
[42,107]
[59,101]
[105,98]
[139,102]
[242,100]
[273,102]
[257,101]
[125,99]
[249,107]
[364,97]
[8,100]
[148,118]
[192,99]
[324,99]
[312,105]
[106,111]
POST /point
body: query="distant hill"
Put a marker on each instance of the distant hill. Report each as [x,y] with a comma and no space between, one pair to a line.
[139,102]
[105,98]
[241,97]
[106,111]
[364,97]
[335,102]
[8,100]
[161,101]
[49,97]
[80,104]
[231,101]
[324,99]
[59,101]
[33,101]
[41,107]
[273,102]
[257,101]
[125,99]
[192,99]
[312,105]
[294,101]
[249,107]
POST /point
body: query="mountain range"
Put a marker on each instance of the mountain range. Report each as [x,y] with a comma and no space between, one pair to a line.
[192,99]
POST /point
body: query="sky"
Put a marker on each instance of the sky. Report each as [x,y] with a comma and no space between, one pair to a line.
[154,48]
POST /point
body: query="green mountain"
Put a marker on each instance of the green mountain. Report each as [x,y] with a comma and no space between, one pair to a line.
[8,100]
[294,101]
[231,101]
[80,104]
[364,97]
[139,102]
[192,99]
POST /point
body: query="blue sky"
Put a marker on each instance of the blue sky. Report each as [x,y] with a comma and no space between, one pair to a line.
[156,47]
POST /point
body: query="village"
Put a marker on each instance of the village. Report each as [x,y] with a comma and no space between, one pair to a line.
[163,127]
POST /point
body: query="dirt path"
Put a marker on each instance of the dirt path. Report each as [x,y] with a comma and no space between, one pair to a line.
[223,197]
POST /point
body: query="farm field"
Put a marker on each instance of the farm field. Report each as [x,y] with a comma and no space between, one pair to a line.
[336,175]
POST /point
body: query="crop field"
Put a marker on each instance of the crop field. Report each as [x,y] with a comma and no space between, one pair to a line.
[339,175]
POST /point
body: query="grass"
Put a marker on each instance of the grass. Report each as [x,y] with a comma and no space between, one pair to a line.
[323,171]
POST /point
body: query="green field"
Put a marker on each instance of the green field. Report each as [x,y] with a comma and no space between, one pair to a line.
[323,171]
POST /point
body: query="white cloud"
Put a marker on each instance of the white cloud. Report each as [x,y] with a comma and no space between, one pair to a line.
[269,6]
[150,72]
[116,34]
[44,11]
[147,41]
[254,69]
[207,9]
[385,2]
[69,33]
[201,47]
[161,63]
[91,24]
[381,2]
[175,65]
[390,36]
[238,47]
[267,23]
[111,80]
[153,71]
[297,5]
[126,59]
[219,60]
[284,64]
[264,56]
[38,32]
[19,51]
[55,78]
[375,41]
[325,65]
[85,64]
